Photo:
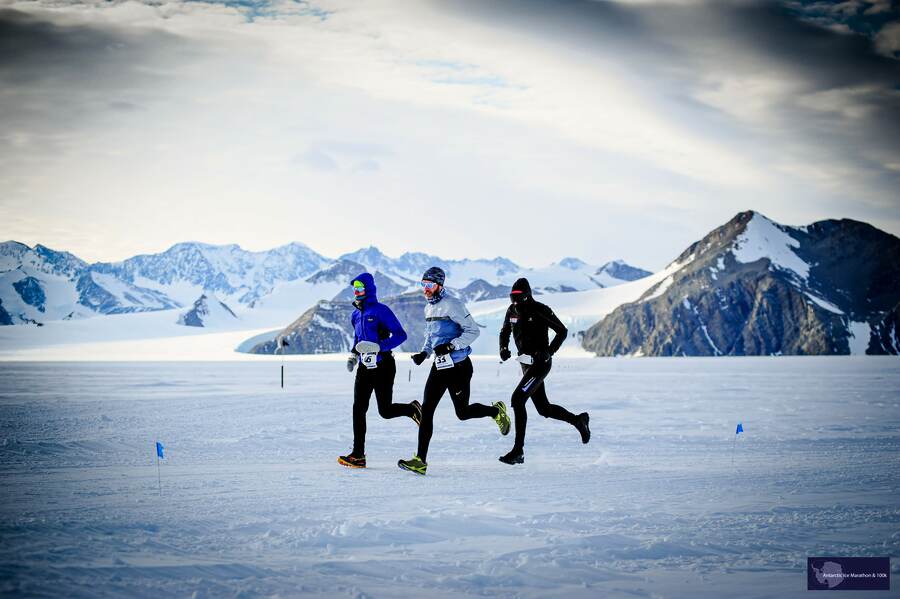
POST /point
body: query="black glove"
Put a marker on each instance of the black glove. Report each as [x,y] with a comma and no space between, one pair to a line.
[541,356]
[419,358]
[351,362]
[505,354]
[443,348]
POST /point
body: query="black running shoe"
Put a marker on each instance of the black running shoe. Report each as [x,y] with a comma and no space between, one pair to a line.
[352,461]
[515,456]
[581,423]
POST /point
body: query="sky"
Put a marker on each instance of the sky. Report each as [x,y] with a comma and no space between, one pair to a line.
[530,129]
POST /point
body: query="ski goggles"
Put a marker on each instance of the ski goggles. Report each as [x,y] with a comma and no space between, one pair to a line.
[429,285]
[358,288]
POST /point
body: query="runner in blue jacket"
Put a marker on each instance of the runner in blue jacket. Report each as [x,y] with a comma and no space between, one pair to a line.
[376,331]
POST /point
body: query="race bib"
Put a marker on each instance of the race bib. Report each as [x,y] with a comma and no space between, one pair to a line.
[443,361]
[369,360]
[525,359]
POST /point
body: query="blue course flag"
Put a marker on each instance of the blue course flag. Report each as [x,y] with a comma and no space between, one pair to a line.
[159,450]
[740,429]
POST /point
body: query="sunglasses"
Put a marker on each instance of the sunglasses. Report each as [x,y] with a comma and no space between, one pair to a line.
[429,285]
[358,288]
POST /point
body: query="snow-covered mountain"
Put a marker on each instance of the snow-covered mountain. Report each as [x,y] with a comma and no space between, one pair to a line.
[569,274]
[187,269]
[325,327]
[410,266]
[38,284]
[208,311]
[752,286]
[39,259]
[755,287]
[613,273]
[572,274]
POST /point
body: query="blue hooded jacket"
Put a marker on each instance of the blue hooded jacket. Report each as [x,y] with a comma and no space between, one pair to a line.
[373,321]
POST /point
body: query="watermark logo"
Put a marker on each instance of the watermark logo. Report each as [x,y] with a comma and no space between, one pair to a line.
[848,573]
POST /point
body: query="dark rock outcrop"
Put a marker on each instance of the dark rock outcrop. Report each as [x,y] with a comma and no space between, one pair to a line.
[206,308]
[5,318]
[31,292]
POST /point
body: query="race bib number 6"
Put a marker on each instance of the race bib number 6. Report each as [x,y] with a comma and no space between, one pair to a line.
[369,360]
[443,361]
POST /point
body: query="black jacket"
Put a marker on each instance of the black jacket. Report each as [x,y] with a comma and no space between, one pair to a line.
[530,327]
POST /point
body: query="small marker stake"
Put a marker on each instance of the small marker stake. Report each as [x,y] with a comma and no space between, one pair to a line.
[737,431]
[159,454]
[280,342]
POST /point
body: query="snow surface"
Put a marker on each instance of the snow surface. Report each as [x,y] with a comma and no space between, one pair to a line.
[824,303]
[665,278]
[254,504]
[763,238]
[859,337]
[140,336]
[128,295]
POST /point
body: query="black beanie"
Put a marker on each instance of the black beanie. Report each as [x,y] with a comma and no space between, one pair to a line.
[434,274]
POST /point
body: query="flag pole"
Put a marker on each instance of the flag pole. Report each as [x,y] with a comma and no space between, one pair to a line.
[738,430]
[279,348]
[158,475]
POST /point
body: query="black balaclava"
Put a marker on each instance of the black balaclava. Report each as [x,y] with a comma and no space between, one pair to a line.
[520,295]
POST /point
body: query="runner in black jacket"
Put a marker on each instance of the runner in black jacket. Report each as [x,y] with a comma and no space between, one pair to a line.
[530,322]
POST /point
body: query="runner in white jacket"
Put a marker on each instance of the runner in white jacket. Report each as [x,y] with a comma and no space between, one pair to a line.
[449,331]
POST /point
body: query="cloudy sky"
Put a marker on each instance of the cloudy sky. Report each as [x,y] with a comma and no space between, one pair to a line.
[532,129]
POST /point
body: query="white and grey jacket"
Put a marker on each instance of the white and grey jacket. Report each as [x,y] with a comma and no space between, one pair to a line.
[449,321]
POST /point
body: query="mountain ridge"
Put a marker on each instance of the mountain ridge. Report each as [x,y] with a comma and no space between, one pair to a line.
[753,286]
[33,279]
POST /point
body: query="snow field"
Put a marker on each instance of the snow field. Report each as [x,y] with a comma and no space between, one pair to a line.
[254,504]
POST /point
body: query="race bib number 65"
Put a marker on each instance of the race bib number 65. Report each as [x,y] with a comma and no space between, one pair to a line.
[443,361]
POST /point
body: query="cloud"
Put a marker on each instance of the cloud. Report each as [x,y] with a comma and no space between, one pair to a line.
[342,156]
[318,159]
[774,74]
[888,40]
[608,121]
[59,76]
[878,7]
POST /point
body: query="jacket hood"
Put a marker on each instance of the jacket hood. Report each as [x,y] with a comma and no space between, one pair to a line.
[521,290]
[369,281]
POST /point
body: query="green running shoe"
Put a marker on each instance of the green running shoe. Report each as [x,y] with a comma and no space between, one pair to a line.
[502,418]
[414,465]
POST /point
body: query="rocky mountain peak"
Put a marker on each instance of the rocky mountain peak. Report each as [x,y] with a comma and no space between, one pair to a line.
[753,286]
